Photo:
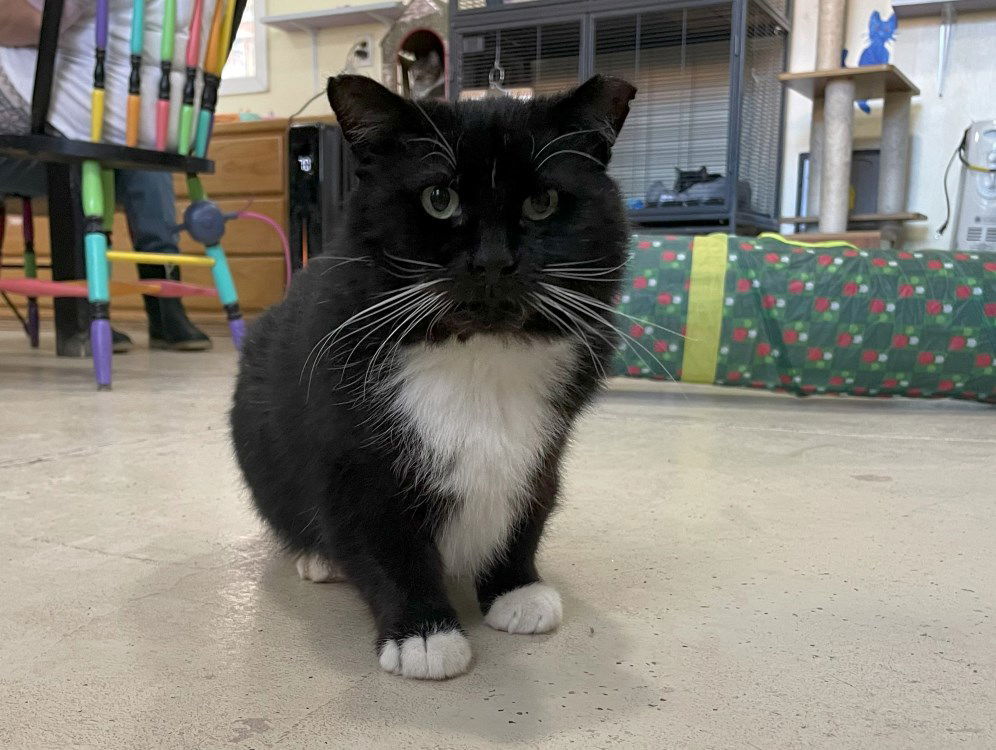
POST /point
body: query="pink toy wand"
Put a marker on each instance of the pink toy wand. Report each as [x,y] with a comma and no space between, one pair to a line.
[166,51]
[190,85]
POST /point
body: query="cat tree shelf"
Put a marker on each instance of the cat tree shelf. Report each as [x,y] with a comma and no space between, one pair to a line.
[870,82]
[343,15]
[861,218]
[948,11]
[920,8]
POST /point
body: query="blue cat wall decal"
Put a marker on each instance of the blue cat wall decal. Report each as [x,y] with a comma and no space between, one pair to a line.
[880,33]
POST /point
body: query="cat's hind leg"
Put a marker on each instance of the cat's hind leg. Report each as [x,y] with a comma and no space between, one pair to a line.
[316,567]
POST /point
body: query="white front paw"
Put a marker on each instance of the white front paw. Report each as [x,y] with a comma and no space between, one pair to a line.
[432,657]
[534,608]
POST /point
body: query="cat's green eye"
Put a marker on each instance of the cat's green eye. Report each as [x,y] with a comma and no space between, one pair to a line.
[541,205]
[440,201]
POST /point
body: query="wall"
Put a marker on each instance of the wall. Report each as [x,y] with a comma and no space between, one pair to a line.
[937,123]
[290,61]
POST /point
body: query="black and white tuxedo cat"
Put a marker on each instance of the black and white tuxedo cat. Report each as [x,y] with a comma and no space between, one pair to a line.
[401,415]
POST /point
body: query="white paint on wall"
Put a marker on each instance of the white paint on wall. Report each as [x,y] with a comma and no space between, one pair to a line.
[290,79]
[937,123]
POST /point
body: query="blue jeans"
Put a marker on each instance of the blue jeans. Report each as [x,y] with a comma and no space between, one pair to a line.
[147,197]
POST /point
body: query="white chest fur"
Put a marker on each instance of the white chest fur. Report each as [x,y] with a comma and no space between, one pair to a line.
[481,412]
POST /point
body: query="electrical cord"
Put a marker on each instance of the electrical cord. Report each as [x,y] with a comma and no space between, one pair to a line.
[305,105]
[284,244]
[947,196]
[959,152]
[348,69]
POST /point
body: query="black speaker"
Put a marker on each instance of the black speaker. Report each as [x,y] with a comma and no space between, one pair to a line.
[321,176]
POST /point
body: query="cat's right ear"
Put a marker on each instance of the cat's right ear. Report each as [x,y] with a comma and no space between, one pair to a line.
[601,99]
[365,110]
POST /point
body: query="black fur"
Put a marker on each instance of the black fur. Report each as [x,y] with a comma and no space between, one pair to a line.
[312,427]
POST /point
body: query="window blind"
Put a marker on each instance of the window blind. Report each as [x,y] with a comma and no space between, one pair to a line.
[679,60]
[764,53]
[543,58]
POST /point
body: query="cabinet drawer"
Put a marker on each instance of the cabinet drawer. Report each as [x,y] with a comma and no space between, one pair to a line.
[244,165]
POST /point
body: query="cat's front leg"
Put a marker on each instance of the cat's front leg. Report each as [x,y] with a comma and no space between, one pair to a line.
[510,592]
[398,570]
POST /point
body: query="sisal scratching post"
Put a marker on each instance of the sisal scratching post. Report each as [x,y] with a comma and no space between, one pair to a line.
[836,178]
[830,33]
[817,133]
[894,160]
[829,45]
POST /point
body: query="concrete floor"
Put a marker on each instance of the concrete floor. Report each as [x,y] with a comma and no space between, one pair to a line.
[738,569]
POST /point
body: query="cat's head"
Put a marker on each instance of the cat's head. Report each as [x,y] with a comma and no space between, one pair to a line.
[881,30]
[487,216]
[427,68]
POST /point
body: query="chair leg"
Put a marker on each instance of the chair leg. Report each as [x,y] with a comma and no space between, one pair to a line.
[30,268]
[237,325]
[97,274]
[225,285]
[98,292]
[223,281]
[34,322]
[102,346]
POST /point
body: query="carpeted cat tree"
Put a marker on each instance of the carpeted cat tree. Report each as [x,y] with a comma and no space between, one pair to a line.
[423,28]
[834,90]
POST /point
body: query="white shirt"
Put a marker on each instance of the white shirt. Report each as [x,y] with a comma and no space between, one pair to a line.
[69,112]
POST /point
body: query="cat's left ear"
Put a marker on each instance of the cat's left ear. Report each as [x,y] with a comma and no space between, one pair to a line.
[366,111]
[600,99]
[893,21]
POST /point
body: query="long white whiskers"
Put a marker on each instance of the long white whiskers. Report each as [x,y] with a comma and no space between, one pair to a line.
[579,303]
[544,305]
[424,305]
[587,299]
[569,151]
[411,261]
[445,145]
[446,152]
[560,138]
[366,312]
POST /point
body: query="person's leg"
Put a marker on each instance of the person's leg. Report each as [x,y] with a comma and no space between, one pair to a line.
[150,205]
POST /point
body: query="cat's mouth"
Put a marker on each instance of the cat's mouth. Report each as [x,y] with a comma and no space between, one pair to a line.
[469,318]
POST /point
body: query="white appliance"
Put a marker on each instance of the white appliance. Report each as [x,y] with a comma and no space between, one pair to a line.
[975,227]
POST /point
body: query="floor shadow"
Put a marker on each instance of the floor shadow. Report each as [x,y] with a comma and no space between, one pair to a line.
[516,684]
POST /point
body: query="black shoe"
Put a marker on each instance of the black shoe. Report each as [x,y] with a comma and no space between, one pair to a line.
[121,343]
[78,345]
[169,326]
